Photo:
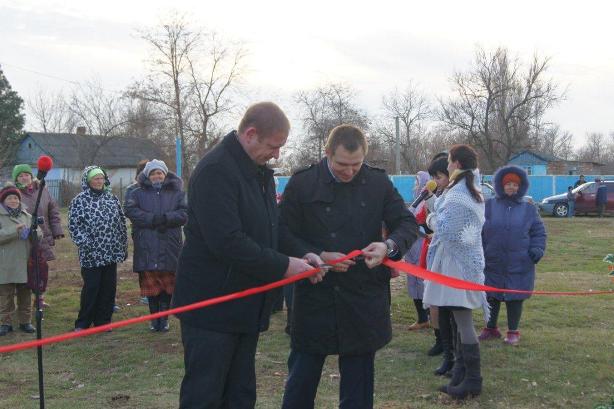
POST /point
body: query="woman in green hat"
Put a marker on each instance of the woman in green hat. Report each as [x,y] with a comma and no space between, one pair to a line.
[97,226]
[48,209]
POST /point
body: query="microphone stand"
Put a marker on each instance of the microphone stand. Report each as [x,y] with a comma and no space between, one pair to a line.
[39,309]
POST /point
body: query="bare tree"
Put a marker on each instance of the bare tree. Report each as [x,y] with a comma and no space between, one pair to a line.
[412,109]
[496,101]
[212,79]
[595,149]
[103,114]
[321,110]
[192,76]
[552,140]
[51,112]
[171,42]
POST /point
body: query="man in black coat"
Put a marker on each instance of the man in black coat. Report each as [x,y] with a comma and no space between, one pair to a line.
[231,245]
[330,209]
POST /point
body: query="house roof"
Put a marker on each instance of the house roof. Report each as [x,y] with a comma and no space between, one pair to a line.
[546,157]
[71,150]
[543,156]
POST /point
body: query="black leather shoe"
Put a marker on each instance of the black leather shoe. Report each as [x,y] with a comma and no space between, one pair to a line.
[5,329]
[27,328]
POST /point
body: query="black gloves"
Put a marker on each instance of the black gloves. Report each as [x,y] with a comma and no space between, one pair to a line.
[158,220]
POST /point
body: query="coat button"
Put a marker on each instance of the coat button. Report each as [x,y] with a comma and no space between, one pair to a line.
[327,209]
[333,235]
[336,288]
[363,204]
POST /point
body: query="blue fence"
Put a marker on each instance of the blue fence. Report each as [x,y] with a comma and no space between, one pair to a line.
[541,186]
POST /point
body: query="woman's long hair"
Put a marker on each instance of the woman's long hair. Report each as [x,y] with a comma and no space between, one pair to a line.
[468,159]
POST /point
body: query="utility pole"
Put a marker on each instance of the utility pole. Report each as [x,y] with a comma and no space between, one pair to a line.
[397,167]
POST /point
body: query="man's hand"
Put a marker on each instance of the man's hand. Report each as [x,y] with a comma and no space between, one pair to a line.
[296,266]
[315,260]
[375,253]
[339,267]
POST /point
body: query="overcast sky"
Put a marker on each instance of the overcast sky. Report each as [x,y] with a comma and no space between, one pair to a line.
[372,46]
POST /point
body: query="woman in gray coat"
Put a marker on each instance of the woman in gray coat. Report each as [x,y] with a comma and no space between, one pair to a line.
[157,209]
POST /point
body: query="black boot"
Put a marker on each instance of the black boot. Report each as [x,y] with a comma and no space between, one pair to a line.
[445,332]
[165,302]
[154,307]
[437,348]
[458,369]
[472,383]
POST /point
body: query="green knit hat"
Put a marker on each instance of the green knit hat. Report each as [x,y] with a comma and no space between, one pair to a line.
[19,169]
[93,173]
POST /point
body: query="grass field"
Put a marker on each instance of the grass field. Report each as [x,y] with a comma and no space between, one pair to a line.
[565,359]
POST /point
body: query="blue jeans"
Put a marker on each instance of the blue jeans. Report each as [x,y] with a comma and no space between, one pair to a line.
[571,208]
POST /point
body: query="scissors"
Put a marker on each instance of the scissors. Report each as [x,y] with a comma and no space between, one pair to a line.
[327,266]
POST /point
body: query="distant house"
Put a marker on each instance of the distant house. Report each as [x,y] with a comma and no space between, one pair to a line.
[537,164]
[72,152]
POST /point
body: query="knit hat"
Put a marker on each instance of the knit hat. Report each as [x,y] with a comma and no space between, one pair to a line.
[19,169]
[93,173]
[7,190]
[511,177]
[153,165]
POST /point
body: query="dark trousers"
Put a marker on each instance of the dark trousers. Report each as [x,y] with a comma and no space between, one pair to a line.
[305,370]
[514,312]
[220,370]
[97,295]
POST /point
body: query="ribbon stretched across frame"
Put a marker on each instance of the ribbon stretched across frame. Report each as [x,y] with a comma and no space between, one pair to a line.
[399,265]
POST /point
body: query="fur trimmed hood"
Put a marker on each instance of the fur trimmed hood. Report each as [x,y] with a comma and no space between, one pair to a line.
[498,182]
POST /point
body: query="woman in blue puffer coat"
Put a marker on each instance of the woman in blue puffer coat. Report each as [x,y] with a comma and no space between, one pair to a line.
[514,240]
[157,209]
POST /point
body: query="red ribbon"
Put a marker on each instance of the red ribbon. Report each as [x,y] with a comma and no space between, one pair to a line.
[470,286]
[399,265]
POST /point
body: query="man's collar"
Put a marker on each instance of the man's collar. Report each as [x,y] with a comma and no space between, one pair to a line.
[330,171]
[246,164]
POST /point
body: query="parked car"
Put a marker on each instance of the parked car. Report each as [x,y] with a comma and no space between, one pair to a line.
[489,192]
[585,200]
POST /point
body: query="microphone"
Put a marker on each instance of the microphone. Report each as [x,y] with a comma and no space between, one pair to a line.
[430,187]
[44,165]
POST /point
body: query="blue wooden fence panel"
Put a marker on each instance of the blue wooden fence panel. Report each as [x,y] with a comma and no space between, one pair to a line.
[540,186]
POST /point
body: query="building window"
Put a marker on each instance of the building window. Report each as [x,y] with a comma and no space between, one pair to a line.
[529,170]
[30,145]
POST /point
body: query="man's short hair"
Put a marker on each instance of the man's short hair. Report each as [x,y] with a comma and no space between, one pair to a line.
[348,136]
[267,118]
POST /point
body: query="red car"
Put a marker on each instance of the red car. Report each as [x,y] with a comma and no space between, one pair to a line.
[586,200]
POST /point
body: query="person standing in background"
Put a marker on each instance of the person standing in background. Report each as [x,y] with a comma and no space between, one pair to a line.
[47,209]
[97,226]
[157,209]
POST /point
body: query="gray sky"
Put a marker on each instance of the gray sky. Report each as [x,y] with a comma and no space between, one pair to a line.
[373,46]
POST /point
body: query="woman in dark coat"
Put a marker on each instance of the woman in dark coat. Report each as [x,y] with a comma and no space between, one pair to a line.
[514,240]
[157,209]
[48,209]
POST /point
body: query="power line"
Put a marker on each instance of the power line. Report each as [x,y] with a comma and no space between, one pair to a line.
[54,77]
[39,73]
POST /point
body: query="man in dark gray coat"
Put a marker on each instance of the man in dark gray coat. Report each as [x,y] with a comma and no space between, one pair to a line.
[330,209]
[231,245]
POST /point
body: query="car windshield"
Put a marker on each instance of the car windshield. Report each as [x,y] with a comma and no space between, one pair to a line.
[583,187]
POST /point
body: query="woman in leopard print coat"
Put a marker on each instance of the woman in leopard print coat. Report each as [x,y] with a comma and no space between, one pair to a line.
[98,228]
